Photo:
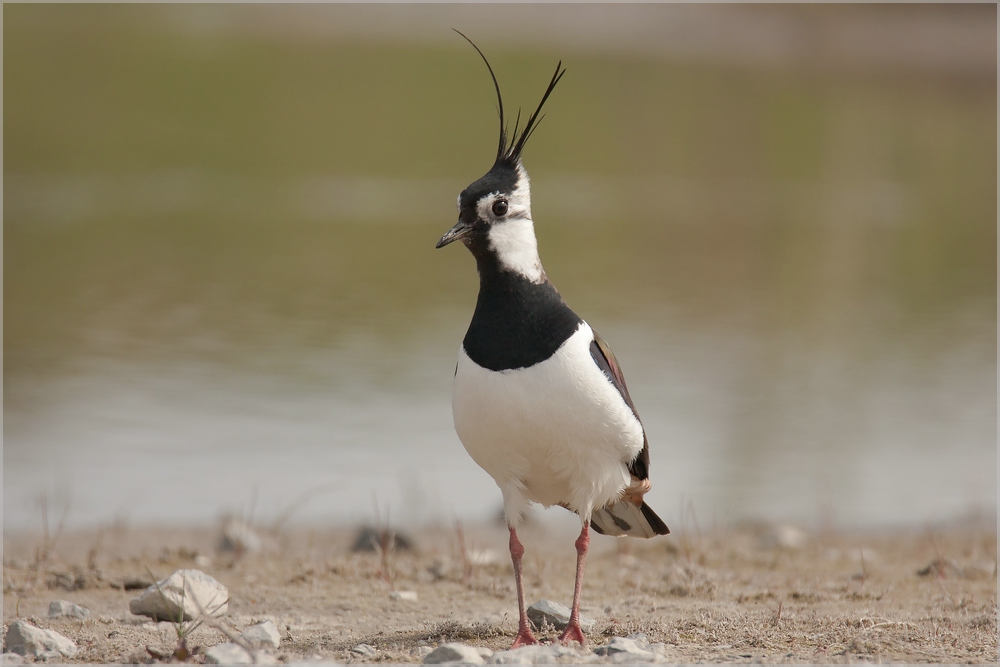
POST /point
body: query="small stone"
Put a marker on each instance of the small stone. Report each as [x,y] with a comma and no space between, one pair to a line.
[484,652]
[640,638]
[234,654]
[624,649]
[552,613]
[61,608]
[24,638]
[184,595]
[454,653]
[366,650]
[541,654]
[239,538]
[661,649]
[405,596]
[422,651]
[202,560]
[785,536]
[134,583]
[12,659]
[374,539]
[262,635]
[483,557]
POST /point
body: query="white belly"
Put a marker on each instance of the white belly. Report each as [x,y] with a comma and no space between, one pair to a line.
[555,433]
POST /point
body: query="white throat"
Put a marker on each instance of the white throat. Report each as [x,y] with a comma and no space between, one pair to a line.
[517,250]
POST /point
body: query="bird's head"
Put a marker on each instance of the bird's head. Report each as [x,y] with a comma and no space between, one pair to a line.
[494,212]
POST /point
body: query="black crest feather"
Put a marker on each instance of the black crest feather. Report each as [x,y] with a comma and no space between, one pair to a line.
[510,152]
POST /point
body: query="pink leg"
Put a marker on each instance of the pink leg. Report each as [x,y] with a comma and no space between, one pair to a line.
[573,630]
[524,636]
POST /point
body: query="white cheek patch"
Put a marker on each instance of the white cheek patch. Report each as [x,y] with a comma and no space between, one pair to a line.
[513,237]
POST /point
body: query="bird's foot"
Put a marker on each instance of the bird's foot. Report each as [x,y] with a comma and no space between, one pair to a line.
[524,638]
[573,632]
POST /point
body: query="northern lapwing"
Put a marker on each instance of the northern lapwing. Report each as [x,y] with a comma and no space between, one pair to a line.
[539,399]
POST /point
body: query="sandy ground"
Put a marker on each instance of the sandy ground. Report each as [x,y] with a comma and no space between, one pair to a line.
[742,594]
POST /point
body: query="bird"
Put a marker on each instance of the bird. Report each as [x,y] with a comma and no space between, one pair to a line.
[539,400]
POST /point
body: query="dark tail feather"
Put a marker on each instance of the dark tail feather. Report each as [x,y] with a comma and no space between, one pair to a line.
[624,518]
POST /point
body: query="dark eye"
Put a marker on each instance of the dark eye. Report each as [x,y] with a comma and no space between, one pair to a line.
[500,208]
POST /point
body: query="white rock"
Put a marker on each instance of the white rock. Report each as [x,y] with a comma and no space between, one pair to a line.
[623,649]
[405,596]
[238,536]
[454,653]
[12,659]
[785,536]
[185,595]
[25,639]
[366,650]
[484,652]
[659,648]
[483,557]
[556,615]
[541,654]
[234,654]
[262,635]
[59,608]
[422,651]
[202,560]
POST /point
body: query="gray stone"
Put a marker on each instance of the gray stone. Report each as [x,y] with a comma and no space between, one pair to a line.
[624,649]
[403,596]
[366,650]
[12,659]
[454,653]
[552,613]
[541,654]
[234,654]
[262,635]
[61,608]
[184,595]
[24,638]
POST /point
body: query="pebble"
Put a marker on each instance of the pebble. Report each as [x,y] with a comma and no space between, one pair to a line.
[624,649]
[541,654]
[262,635]
[234,654]
[406,596]
[366,650]
[372,539]
[785,536]
[422,651]
[195,590]
[61,608]
[552,613]
[454,653]
[24,638]
[239,537]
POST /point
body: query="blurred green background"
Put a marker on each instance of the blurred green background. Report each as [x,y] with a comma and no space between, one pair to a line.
[783,218]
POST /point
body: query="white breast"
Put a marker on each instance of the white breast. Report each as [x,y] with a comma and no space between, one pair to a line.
[555,433]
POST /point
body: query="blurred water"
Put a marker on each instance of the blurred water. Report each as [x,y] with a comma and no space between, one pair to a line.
[220,287]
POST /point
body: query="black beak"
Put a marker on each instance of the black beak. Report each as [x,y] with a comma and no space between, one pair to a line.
[458,231]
